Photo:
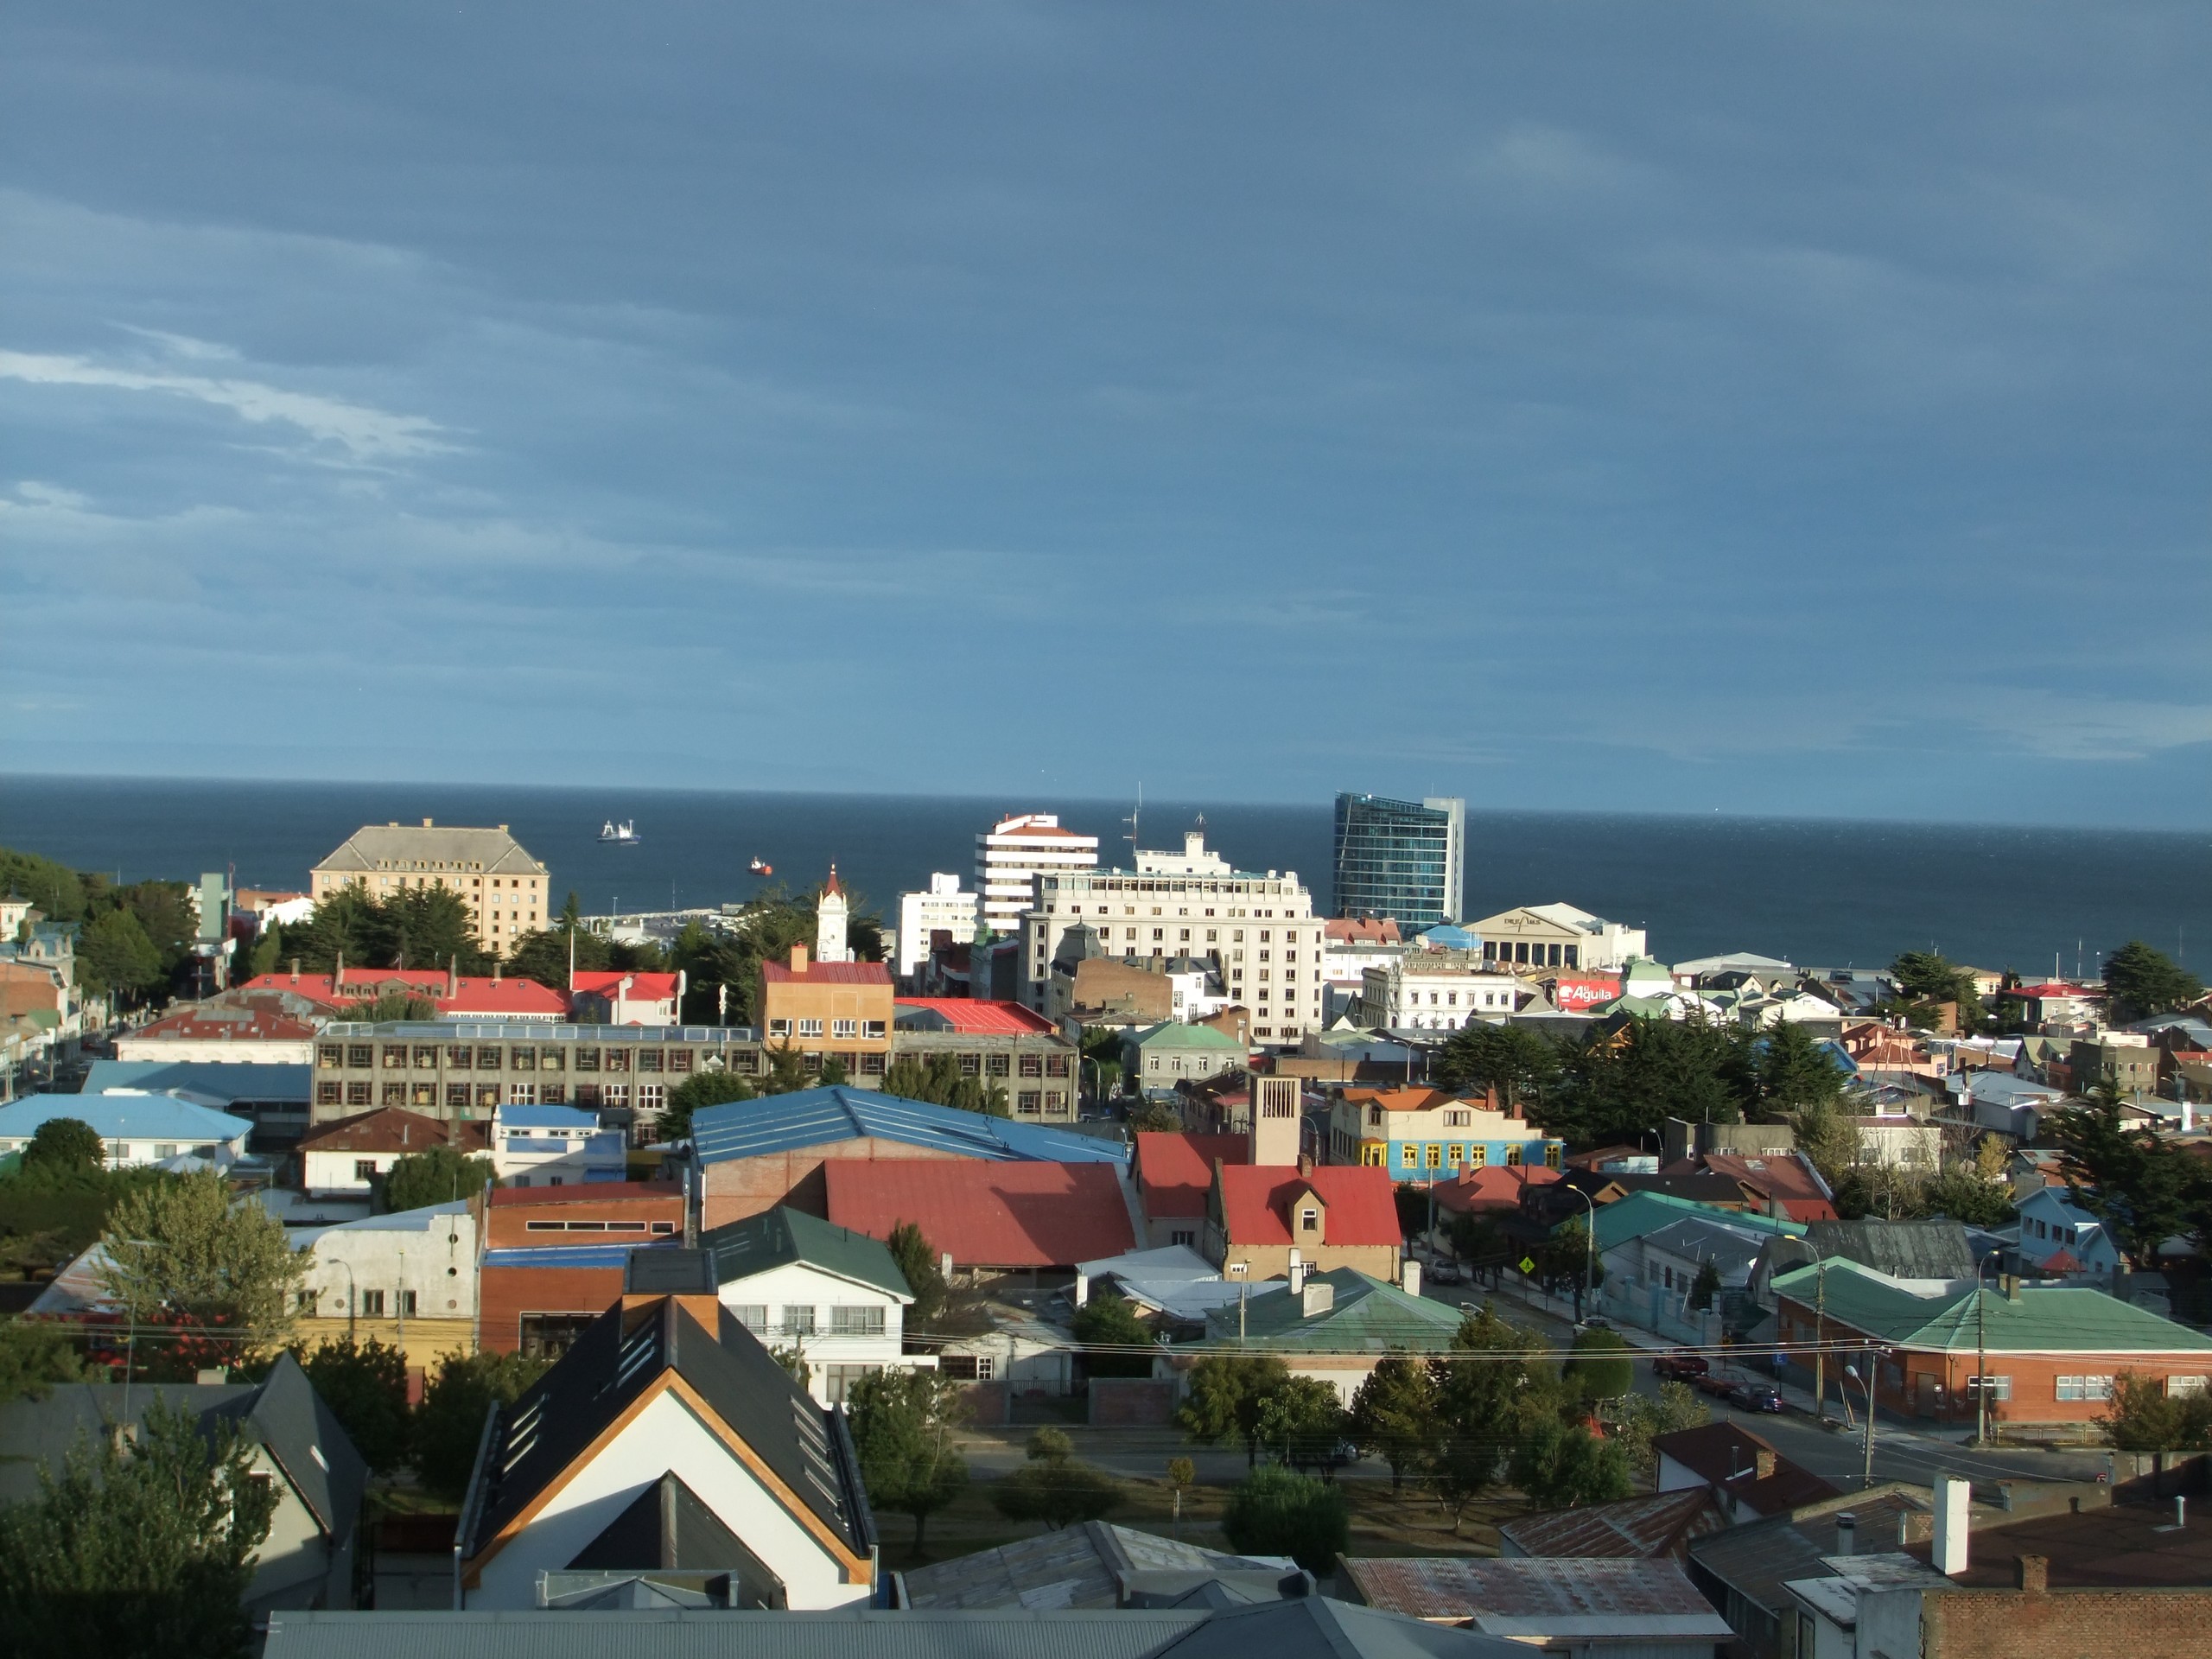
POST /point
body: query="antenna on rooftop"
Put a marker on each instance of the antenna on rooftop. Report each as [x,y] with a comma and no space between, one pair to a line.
[1135,812]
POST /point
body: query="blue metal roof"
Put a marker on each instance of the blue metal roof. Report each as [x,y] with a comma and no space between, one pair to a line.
[573,1256]
[217,1080]
[567,1118]
[124,1117]
[813,1117]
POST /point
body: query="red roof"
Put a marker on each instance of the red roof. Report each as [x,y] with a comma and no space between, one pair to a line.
[1775,1175]
[263,1024]
[827,973]
[643,987]
[1493,1186]
[983,1018]
[987,1215]
[1175,1170]
[2053,988]
[471,994]
[1257,1200]
[393,1130]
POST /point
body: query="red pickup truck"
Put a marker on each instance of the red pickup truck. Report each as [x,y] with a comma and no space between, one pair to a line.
[1679,1367]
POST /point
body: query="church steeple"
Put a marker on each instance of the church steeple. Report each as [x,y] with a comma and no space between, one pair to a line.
[831,919]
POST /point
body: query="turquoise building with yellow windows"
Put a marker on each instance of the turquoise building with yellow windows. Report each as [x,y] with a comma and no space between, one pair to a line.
[1428,1135]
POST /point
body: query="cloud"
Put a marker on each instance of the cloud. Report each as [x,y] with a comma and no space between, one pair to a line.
[2096,729]
[363,433]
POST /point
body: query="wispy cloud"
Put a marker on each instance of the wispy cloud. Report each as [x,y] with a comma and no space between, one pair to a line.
[362,434]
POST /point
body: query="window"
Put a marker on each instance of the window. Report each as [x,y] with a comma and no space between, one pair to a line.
[487,1059]
[1056,1065]
[330,1056]
[553,1094]
[551,1059]
[1455,1155]
[359,1055]
[587,1060]
[1458,1120]
[1435,1155]
[426,1057]
[457,1056]
[618,1059]
[652,1096]
[1512,1156]
[810,1027]
[2081,1388]
[1033,1065]
[650,1060]
[356,1093]
[965,1368]
[779,1028]
[2184,1388]
[2000,1388]
[999,1065]
[372,1304]
[395,1094]
[303,1301]
[329,1094]
[406,1304]
[488,1095]
[856,1321]
[395,1055]
[365,1169]
[526,1060]
[753,1316]
[1309,1220]
[1410,1157]
[456,1096]
[1030,1102]
[971,1065]
[1477,1155]
[844,1027]
[872,1028]
[872,1066]
[798,1321]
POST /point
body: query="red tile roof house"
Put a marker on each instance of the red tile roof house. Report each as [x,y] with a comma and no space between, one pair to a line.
[626,998]
[340,1159]
[1173,1174]
[458,996]
[1032,1221]
[1778,1183]
[1332,1216]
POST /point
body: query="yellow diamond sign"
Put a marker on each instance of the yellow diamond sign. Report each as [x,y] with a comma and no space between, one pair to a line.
[1528,1264]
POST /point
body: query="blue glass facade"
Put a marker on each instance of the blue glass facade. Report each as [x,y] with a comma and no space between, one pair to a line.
[1399,859]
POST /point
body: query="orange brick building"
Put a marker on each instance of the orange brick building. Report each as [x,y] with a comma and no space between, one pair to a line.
[554,1257]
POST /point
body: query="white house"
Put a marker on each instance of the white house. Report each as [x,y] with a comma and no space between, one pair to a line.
[135,1126]
[942,909]
[408,1279]
[554,1145]
[834,1296]
[667,1441]
[626,998]
[344,1159]
[2058,1236]
[1433,990]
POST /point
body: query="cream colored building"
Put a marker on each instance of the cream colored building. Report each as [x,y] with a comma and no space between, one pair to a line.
[408,1280]
[1258,928]
[1556,936]
[508,892]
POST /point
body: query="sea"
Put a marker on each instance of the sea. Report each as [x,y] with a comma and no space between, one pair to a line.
[1818,893]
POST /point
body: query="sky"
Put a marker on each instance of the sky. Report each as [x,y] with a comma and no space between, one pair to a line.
[1769,409]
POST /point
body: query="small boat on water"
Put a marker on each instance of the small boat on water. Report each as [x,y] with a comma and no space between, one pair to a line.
[761,866]
[624,834]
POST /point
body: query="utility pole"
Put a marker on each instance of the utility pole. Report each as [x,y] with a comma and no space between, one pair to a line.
[1981,1355]
[1867,1478]
[1819,1338]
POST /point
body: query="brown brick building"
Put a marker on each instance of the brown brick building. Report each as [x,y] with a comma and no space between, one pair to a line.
[554,1257]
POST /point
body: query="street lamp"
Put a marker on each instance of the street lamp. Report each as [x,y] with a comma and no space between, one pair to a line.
[1981,1351]
[1866,1384]
[1590,1263]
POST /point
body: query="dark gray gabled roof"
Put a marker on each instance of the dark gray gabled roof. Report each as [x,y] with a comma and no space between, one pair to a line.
[1934,1248]
[306,1439]
[624,1352]
[1314,1628]
[666,1527]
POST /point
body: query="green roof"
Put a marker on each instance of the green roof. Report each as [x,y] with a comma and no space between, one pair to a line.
[1181,1036]
[1647,1212]
[2058,1318]
[1369,1317]
[777,1237]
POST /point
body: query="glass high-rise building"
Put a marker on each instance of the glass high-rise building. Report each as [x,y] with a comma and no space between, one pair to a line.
[1401,858]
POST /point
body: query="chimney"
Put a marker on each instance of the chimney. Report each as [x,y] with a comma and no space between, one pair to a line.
[2032,1573]
[1762,1466]
[1305,1162]
[426,824]
[296,970]
[1296,1272]
[1847,1533]
[1410,1277]
[1948,1557]
[453,975]
[798,958]
[495,971]
[1318,1297]
[338,973]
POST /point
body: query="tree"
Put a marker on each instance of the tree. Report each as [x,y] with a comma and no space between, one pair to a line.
[1054,1487]
[1560,1465]
[57,890]
[1518,1064]
[1927,979]
[1963,1193]
[1222,1399]
[32,1358]
[1280,1512]
[1182,1474]
[139,1546]
[1568,1259]
[1484,1385]
[902,1423]
[2144,1189]
[434,1175]
[390,1007]
[1476,1238]
[182,1249]
[1796,1071]
[2144,1417]
[1828,1140]
[114,955]
[1109,1321]
[786,1070]
[1412,1201]
[1624,1084]
[415,927]
[2143,981]
[457,1397]
[1641,1419]
[365,1385]
[699,1089]
[1395,1414]
[64,1147]
[1599,1366]
[1707,1287]
[925,1273]
[1155,1116]
[1302,1422]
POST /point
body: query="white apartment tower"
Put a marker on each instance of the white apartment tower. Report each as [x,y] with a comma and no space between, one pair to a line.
[1013,853]
[942,909]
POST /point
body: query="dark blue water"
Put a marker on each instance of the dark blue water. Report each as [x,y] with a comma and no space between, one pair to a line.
[1816,891]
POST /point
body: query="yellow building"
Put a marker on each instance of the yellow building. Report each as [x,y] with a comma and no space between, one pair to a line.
[508,892]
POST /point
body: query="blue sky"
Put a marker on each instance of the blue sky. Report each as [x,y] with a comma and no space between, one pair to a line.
[1796,410]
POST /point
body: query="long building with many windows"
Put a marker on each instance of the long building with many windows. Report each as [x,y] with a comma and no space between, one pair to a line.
[507,891]
[1404,860]
[1012,854]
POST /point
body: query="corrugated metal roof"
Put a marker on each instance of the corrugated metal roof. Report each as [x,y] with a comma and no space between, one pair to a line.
[1656,1523]
[783,1235]
[2063,1319]
[1538,1595]
[982,1015]
[125,1118]
[1364,1316]
[813,1117]
[999,1215]
[219,1080]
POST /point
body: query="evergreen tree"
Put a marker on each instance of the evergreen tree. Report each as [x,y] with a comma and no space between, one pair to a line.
[64,1147]
[1520,1065]
[450,1423]
[699,1089]
[2143,981]
[902,1426]
[2145,1190]
[1395,1415]
[1222,1398]
[923,1273]
[116,958]
[1279,1512]
[434,1175]
[1796,1071]
[1109,1321]
[33,1357]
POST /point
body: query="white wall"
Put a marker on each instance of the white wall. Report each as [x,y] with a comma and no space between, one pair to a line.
[797,1284]
[663,1436]
[251,1052]
[431,1252]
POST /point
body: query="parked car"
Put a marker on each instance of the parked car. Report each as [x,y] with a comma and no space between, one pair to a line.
[1711,1383]
[1755,1396]
[1446,1272]
[1681,1368]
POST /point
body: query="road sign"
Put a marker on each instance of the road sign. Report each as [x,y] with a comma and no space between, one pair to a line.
[1528,1265]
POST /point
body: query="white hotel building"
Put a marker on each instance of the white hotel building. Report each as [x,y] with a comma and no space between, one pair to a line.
[1259,928]
[1013,853]
[942,909]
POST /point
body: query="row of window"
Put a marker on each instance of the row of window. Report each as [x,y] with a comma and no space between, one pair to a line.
[1538,954]
[800,1320]
[599,1226]
[1452,1119]
[1450,1155]
[869,1030]
[1491,999]
[459,1096]
[493,1056]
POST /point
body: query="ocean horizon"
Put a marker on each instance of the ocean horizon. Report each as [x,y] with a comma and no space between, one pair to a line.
[1823,891]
